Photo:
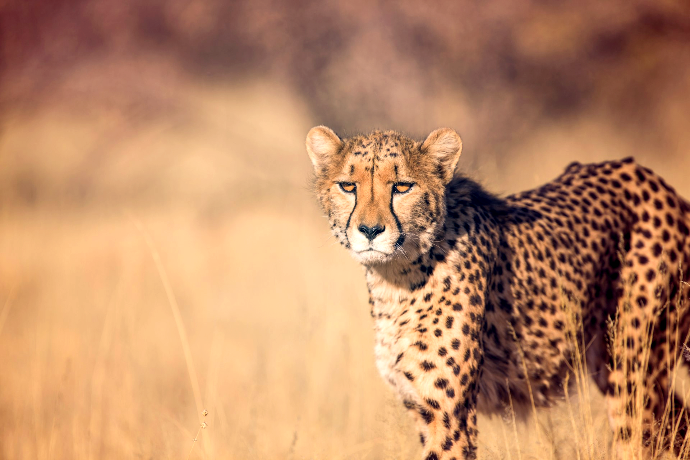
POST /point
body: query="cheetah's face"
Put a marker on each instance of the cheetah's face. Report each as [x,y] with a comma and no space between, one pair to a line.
[384,193]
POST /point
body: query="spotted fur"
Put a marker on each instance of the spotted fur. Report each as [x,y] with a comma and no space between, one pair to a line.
[467,289]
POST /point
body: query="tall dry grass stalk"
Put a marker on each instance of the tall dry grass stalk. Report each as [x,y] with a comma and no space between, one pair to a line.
[172,301]
[202,426]
[7,306]
[585,443]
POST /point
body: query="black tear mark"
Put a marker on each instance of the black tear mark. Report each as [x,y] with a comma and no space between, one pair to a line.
[401,238]
[347,225]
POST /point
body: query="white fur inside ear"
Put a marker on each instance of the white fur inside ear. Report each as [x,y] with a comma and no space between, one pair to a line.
[322,144]
[445,146]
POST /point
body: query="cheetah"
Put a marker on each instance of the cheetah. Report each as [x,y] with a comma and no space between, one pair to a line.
[466,288]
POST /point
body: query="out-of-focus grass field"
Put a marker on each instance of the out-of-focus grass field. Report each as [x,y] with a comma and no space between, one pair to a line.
[133,189]
[275,312]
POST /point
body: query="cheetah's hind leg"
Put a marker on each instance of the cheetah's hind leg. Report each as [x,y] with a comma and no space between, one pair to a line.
[647,337]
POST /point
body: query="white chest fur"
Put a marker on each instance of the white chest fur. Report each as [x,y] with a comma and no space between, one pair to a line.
[391,339]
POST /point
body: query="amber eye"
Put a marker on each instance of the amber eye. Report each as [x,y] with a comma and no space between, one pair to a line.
[402,187]
[347,187]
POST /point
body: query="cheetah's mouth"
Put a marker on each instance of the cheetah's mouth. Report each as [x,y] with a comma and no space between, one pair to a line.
[373,250]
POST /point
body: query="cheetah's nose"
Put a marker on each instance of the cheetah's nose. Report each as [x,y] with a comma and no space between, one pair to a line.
[371,232]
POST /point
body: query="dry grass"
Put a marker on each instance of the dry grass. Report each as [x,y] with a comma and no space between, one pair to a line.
[156,265]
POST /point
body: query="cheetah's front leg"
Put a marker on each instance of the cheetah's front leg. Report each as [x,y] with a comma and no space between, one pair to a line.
[445,407]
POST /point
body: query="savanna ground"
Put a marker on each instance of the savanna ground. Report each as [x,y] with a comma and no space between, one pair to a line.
[161,253]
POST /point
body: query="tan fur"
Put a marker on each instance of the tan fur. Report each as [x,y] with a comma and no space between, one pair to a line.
[463,284]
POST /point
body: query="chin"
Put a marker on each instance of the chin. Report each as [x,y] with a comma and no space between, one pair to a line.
[373,257]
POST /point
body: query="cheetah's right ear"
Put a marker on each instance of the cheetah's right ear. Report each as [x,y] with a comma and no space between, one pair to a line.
[322,144]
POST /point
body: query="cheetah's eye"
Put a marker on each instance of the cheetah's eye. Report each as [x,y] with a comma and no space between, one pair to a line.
[402,187]
[347,187]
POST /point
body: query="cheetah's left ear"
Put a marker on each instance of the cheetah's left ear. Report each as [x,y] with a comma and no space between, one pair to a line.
[445,146]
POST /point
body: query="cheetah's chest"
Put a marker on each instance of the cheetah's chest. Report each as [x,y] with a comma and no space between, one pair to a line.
[391,344]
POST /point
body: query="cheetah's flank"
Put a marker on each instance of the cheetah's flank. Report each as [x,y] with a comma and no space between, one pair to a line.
[466,289]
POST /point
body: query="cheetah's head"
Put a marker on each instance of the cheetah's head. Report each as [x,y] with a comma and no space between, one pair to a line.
[384,193]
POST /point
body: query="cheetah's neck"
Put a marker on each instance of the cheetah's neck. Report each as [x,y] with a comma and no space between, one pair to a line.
[393,285]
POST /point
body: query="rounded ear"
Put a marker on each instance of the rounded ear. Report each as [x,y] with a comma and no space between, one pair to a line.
[322,145]
[444,146]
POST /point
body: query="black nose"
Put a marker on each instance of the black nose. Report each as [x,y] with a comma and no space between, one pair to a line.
[371,232]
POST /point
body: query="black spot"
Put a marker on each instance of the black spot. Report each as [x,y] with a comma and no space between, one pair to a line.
[448,443]
[428,416]
[441,383]
[446,420]
[446,284]
[455,343]
[433,403]
[427,365]
[449,322]
[630,343]
[421,345]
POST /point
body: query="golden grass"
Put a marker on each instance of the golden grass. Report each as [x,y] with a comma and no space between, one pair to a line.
[224,292]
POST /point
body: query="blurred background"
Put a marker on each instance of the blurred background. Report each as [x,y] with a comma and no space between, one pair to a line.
[161,253]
